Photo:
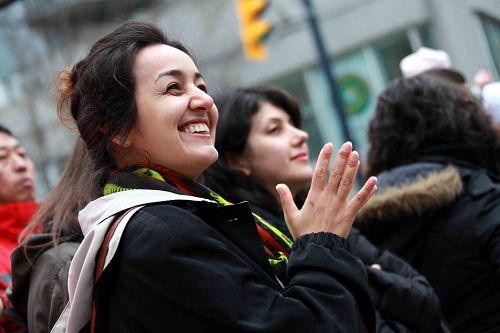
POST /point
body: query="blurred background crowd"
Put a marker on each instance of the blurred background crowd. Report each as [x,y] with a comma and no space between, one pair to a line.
[364,41]
[405,81]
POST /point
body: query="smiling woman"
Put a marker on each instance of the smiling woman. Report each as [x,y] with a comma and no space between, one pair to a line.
[181,257]
[162,121]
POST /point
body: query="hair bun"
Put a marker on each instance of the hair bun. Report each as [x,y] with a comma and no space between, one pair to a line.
[65,83]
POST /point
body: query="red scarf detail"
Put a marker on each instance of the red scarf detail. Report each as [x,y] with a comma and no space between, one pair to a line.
[14,217]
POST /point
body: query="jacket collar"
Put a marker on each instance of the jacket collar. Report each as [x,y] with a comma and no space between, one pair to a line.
[413,196]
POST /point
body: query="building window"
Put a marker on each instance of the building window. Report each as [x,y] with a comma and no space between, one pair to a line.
[390,51]
[491,28]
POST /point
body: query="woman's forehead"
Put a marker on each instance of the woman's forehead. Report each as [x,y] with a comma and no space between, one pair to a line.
[155,59]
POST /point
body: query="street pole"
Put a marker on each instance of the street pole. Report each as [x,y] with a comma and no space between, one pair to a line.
[327,65]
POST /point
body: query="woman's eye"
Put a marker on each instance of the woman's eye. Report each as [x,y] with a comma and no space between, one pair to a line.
[173,87]
[203,87]
[273,130]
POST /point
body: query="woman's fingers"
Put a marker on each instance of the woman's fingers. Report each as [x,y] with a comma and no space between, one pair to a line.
[339,164]
[349,175]
[321,169]
[289,208]
[363,195]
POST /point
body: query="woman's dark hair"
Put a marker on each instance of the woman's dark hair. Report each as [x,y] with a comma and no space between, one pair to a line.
[99,89]
[423,116]
[446,75]
[59,212]
[236,109]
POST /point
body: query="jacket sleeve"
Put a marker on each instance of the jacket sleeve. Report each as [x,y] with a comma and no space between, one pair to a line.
[201,272]
[403,295]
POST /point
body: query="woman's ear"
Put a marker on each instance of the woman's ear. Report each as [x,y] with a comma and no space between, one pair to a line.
[239,162]
[117,140]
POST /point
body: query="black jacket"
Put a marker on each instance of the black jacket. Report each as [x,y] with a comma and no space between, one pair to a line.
[199,268]
[445,221]
[404,300]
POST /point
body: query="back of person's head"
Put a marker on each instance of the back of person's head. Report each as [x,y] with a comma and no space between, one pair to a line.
[446,75]
[76,188]
[420,116]
[236,109]
[99,89]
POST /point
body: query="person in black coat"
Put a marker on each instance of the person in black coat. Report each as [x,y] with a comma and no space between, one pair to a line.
[172,254]
[437,158]
[261,144]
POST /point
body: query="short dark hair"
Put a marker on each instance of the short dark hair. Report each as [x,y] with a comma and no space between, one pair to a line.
[416,116]
[5,130]
[99,89]
[236,109]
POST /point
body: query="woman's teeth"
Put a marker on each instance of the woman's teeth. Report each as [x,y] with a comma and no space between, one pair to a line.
[196,128]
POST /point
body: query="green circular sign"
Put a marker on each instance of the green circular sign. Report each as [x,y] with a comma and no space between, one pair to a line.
[355,93]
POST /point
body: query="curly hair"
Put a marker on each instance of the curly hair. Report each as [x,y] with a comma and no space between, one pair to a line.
[415,115]
[99,89]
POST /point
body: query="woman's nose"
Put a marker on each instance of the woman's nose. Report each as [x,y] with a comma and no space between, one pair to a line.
[201,101]
[300,137]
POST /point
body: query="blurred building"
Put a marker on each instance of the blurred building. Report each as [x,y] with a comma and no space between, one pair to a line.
[365,40]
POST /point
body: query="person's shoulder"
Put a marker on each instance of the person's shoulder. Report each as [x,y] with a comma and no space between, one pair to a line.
[480,183]
[57,257]
[483,201]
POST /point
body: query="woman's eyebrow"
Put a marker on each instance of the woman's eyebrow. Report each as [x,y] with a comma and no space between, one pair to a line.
[177,73]
[173,72]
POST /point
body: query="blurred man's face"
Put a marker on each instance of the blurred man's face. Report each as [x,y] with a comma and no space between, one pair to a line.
[17,174]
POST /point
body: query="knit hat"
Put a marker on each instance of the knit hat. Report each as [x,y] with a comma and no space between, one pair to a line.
[491,100]
[423,60]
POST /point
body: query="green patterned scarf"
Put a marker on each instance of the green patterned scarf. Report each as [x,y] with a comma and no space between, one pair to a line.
[276,244]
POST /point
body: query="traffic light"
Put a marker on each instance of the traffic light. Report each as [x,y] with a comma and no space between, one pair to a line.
[253,30]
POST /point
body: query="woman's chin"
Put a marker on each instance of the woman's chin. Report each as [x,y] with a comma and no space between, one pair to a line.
[200,162]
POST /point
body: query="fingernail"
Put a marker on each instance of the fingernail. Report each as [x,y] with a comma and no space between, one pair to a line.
[328,146]
[354,156]
[347,146]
